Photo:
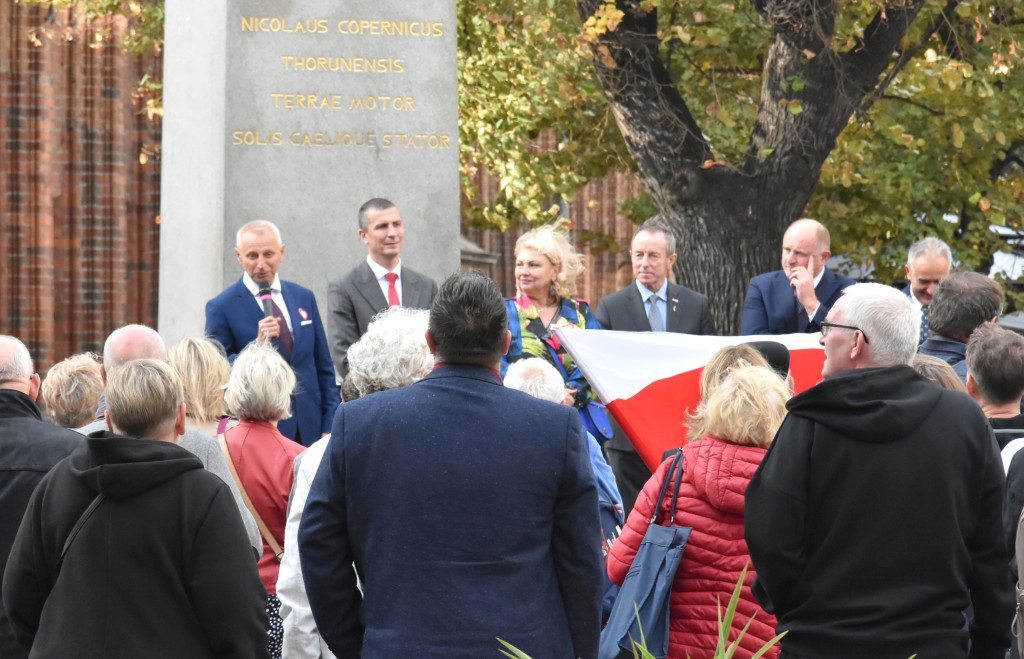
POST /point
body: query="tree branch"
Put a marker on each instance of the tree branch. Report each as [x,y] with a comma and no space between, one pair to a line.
[931,111]
[877,40]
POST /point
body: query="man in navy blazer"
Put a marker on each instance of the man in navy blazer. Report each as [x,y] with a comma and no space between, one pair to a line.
[468,510]
[796,298]
[236,319]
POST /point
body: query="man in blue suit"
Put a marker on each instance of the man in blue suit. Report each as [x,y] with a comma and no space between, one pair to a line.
[469,510]
[236,319]
[796,298]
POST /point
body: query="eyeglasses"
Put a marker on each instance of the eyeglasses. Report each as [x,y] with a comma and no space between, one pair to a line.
[827,327]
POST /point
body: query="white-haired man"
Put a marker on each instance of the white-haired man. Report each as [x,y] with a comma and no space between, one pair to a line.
[29,447]
[237,317]
[928,261]
[874,520]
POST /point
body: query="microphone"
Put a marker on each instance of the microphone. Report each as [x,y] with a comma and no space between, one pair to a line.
[268,302]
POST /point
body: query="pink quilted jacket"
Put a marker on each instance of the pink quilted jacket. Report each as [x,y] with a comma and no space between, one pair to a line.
[715,477]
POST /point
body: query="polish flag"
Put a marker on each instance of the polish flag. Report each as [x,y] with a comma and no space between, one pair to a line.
[650,379]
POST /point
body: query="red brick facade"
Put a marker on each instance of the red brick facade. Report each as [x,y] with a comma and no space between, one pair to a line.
[78,211]
[79,233]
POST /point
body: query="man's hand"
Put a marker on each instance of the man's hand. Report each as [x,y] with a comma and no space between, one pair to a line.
[269,328]
[802,282]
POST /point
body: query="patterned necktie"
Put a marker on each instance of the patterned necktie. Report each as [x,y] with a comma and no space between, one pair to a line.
[392,289]
[654,315]
[285,339]
[924,324]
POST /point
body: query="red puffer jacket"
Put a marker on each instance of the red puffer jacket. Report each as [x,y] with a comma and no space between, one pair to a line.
[715,477]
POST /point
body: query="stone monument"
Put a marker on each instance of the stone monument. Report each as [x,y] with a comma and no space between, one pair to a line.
[297,113]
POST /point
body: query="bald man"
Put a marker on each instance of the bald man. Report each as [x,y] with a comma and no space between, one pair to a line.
[796,298]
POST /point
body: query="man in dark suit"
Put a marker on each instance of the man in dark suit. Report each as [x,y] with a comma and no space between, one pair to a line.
[928,261]
[376,284]
[651,303]
[469,510]
[236,319]
[796,298]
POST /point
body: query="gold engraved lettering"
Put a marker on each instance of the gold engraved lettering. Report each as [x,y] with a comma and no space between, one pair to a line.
[383,103]
[256,138]
[343,64]
[275,24]
[391,28]
[417,141]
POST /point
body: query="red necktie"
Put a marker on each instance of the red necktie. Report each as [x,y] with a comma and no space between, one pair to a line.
[392,289]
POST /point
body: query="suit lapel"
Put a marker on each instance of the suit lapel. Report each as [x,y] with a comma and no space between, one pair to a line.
[293,302]
[635,311]
[675,315]
[369,288]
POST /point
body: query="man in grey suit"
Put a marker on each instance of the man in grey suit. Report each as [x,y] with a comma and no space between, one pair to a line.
[381,281]
[133,342]
[651,303]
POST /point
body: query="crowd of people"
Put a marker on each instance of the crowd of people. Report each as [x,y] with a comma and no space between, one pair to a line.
[430,474]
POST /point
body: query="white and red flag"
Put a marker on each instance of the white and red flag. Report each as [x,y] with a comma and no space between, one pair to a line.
[650,379]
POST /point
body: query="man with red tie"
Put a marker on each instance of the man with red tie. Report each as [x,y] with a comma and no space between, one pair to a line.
[371,287]
[237,317]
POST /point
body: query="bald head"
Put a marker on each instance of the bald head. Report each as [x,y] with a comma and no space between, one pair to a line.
[16,369]
[132,342]
[805,244]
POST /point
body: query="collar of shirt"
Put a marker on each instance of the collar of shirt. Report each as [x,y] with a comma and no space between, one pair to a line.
[379,271]
[914,301]
[646,293]
[817,280]
[275,295]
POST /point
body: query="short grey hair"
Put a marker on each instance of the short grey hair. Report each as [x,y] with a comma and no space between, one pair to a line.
[930,248]
[654,225]
[257,226]
[890,323]
[536,377]
[72,390]
[132,342]
[143,397]
[392,353]
[375,204]
[261,384]
[18,366]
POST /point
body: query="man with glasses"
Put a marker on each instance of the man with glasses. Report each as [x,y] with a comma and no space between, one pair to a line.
[874,520]
[796,298]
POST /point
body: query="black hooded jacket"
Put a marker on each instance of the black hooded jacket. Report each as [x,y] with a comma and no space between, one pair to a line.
[874,521]
[162,568]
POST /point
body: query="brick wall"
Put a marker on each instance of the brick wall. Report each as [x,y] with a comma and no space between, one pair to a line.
[78,211]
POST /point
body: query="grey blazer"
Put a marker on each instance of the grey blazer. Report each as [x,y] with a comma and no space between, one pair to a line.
[688,311]
[356,298]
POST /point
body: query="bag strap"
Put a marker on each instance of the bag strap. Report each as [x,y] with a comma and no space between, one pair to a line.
[674,473]
[82,519]
[264,531]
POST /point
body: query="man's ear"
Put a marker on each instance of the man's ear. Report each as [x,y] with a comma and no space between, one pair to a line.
[34,383]
[106,417]
[506,342]
[972,386]
[430,342]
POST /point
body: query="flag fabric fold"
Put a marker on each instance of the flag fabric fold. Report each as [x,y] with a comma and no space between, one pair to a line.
[649,380]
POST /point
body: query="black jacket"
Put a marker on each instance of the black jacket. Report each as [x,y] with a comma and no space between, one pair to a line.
[874,521]
[29,447]
[162,568]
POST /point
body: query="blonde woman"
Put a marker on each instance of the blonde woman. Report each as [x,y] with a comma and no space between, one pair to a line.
[71,392]
[547,269]
[734,425]
[204,371]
